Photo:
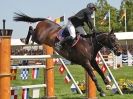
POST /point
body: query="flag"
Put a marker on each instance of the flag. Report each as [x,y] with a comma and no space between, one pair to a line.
[67,78]
[25,93]
[14,94]
[61,69]
[103,68]
[73,88]
[35,72]
[98,59]
[36,93]
[106,16]
[60,19]
[55,60]
[24,74]
[123,14]
[13,73]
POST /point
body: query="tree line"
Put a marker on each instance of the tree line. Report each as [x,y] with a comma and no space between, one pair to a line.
[120,19]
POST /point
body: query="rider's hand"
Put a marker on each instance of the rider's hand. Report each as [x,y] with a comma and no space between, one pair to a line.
[94,30]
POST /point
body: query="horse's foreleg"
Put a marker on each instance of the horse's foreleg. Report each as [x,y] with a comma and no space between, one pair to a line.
[90,72]
[30,32]
[97,68]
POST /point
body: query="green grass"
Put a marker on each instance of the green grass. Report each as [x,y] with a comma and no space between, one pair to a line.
[63,91]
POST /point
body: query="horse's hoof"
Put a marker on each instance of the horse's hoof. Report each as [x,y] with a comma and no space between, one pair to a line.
[102,94]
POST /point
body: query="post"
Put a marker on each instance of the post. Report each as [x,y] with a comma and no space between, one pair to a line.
[49,78]
[90,88]
[125,12]
[94,19]
[109,21]
[5,53]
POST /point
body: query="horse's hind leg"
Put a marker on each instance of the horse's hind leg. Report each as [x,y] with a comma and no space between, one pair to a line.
[30,32]
[90,72]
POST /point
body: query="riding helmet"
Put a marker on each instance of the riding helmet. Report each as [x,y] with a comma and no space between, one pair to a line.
[91,6]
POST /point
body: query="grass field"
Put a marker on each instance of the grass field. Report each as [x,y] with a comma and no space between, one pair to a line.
[63,91]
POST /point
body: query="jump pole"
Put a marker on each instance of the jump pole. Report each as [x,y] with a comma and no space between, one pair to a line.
[49,74]
[5,52]
[90,88]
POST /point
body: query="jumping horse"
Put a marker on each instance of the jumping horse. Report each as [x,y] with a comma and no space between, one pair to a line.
[83,52]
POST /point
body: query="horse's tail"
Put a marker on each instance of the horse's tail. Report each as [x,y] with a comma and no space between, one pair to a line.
[25,18]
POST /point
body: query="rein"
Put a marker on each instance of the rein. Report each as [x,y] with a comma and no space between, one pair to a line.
[99,43]
[109,40]
[112,47]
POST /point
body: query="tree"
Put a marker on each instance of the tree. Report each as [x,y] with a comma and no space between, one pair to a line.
[115,15]
[101,4]
[102,8]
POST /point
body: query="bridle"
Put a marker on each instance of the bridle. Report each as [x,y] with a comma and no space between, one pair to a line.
[111,46]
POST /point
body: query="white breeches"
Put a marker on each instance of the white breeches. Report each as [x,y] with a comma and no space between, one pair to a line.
[81,30]
[71,29]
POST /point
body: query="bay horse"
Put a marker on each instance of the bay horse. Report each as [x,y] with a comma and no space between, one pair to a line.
[83,52]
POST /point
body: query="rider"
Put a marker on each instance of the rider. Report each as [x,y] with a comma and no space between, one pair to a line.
[76,22]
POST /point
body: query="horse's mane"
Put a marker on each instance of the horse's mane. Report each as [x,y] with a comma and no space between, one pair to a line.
[92,34]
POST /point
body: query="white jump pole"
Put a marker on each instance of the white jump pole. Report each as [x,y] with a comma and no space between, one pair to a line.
[116,84]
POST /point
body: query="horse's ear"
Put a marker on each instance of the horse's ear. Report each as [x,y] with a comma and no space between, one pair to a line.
[112,31]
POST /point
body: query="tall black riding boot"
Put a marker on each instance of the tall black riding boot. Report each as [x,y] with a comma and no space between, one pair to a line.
[68,40]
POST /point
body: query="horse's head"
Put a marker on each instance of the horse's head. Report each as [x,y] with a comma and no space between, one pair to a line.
[110,41]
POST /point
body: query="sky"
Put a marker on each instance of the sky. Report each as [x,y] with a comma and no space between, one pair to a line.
[40,8]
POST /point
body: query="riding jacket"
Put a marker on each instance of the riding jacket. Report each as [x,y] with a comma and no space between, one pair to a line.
[82,16]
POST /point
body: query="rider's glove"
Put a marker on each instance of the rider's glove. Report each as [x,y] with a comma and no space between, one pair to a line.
[94,30]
